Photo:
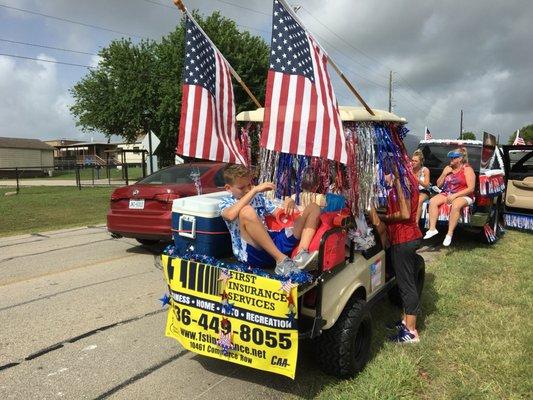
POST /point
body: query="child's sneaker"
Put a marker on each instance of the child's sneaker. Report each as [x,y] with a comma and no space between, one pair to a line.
[286,266]
[304,259]
[405,336]
[395,326]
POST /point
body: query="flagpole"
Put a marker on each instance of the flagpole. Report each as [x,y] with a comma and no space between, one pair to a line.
[181,6]
[335,67]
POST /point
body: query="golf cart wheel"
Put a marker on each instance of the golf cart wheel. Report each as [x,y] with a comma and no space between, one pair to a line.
[147,242]
[394,292]
[344,349]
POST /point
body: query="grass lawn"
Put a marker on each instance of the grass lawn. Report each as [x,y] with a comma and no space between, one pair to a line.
[476,332]
[134,173]
[38,209]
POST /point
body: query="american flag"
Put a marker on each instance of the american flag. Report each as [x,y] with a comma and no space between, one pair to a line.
[287,286]
[301,111]
[518,141]
[207,124]
[427,134]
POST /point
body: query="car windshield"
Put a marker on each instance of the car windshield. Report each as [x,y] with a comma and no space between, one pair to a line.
[435,155]
[179,174]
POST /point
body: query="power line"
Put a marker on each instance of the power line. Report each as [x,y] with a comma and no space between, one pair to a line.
[245,8]
[70,21]
[242,26]
[47,47]
[44,60]
[346,42]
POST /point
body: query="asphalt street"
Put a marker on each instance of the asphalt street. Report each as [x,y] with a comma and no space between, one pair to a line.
[81,319]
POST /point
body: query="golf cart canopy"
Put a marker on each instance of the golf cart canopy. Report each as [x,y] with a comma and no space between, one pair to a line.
[356,114]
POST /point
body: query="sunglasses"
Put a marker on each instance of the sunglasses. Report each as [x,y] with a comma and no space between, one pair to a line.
[454,154]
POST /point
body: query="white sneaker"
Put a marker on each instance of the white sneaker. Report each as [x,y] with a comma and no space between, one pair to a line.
[429,234]
[447,241]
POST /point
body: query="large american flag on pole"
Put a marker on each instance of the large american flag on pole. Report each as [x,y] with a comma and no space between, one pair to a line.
[301,111]
[207,124]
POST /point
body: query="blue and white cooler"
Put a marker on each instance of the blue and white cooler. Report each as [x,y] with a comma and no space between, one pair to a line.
[198,227]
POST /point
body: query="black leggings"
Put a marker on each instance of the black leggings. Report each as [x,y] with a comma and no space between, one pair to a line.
[404,263]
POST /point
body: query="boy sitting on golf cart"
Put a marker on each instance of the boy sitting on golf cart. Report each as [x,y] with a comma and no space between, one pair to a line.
[244,212]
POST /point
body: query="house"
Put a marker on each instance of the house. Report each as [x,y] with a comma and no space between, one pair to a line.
[32,157]
[85,154]
[132,153]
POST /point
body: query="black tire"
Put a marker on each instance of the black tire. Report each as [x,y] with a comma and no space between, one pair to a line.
[147,242]
[394,292]
[344,349]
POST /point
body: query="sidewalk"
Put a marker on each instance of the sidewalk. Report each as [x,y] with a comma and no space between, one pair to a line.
[59,182]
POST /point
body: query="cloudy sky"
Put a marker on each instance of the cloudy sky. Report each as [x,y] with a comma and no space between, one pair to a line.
[445,55]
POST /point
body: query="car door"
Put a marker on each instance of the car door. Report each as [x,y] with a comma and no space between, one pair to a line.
[519,173]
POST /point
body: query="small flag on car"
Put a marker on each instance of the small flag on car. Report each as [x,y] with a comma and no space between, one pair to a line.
[427,134]
[518,141]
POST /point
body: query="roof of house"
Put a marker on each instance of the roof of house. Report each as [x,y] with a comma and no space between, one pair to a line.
[20,143]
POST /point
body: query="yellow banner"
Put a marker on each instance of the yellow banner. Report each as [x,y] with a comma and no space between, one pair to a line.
[234,316]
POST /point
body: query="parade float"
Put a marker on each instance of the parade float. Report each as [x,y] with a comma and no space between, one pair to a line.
[231,311]
[485,158]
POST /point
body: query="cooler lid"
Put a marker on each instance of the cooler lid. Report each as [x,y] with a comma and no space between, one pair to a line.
[205,205]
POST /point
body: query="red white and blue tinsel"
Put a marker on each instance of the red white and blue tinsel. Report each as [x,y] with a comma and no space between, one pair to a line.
[518,221]
[492,183]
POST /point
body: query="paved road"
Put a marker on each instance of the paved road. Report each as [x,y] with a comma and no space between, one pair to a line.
[80,318]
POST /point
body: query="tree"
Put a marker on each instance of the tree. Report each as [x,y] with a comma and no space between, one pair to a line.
[137,87]
[526,133]
[468,136]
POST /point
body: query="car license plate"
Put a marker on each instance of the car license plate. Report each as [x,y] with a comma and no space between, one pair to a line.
[137,204]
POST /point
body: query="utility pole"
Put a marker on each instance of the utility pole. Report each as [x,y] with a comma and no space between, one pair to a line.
[461,131]
[390,91]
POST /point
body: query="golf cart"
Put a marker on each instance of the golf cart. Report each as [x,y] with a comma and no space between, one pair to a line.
[218,309]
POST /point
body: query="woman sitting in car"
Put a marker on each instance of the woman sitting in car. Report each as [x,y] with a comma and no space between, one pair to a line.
[457,181]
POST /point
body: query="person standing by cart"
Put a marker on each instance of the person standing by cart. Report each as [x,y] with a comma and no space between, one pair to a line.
[404,236]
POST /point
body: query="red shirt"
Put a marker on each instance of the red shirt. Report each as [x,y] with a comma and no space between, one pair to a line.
[455,182]
[403,231]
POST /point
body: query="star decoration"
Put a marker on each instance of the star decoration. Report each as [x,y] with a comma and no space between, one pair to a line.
[164,300]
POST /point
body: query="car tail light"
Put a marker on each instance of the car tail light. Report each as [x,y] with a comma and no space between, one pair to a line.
[483,201]
[166,197]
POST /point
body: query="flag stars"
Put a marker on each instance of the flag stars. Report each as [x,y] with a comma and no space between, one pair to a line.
[291,52]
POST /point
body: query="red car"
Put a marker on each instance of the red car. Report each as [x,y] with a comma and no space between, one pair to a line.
[144,210]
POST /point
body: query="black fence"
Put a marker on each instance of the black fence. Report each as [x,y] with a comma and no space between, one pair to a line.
[72,174]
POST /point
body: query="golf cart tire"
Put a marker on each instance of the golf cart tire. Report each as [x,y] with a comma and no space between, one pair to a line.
[344,349]
[147,242]
[394,292]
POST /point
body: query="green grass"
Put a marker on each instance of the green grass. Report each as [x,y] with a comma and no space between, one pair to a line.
[38,209]
[476,332]
[134,173]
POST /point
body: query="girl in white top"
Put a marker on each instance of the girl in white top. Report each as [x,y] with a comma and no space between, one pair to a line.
[417,161]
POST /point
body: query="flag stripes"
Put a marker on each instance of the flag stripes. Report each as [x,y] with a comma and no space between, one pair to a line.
[207,124]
